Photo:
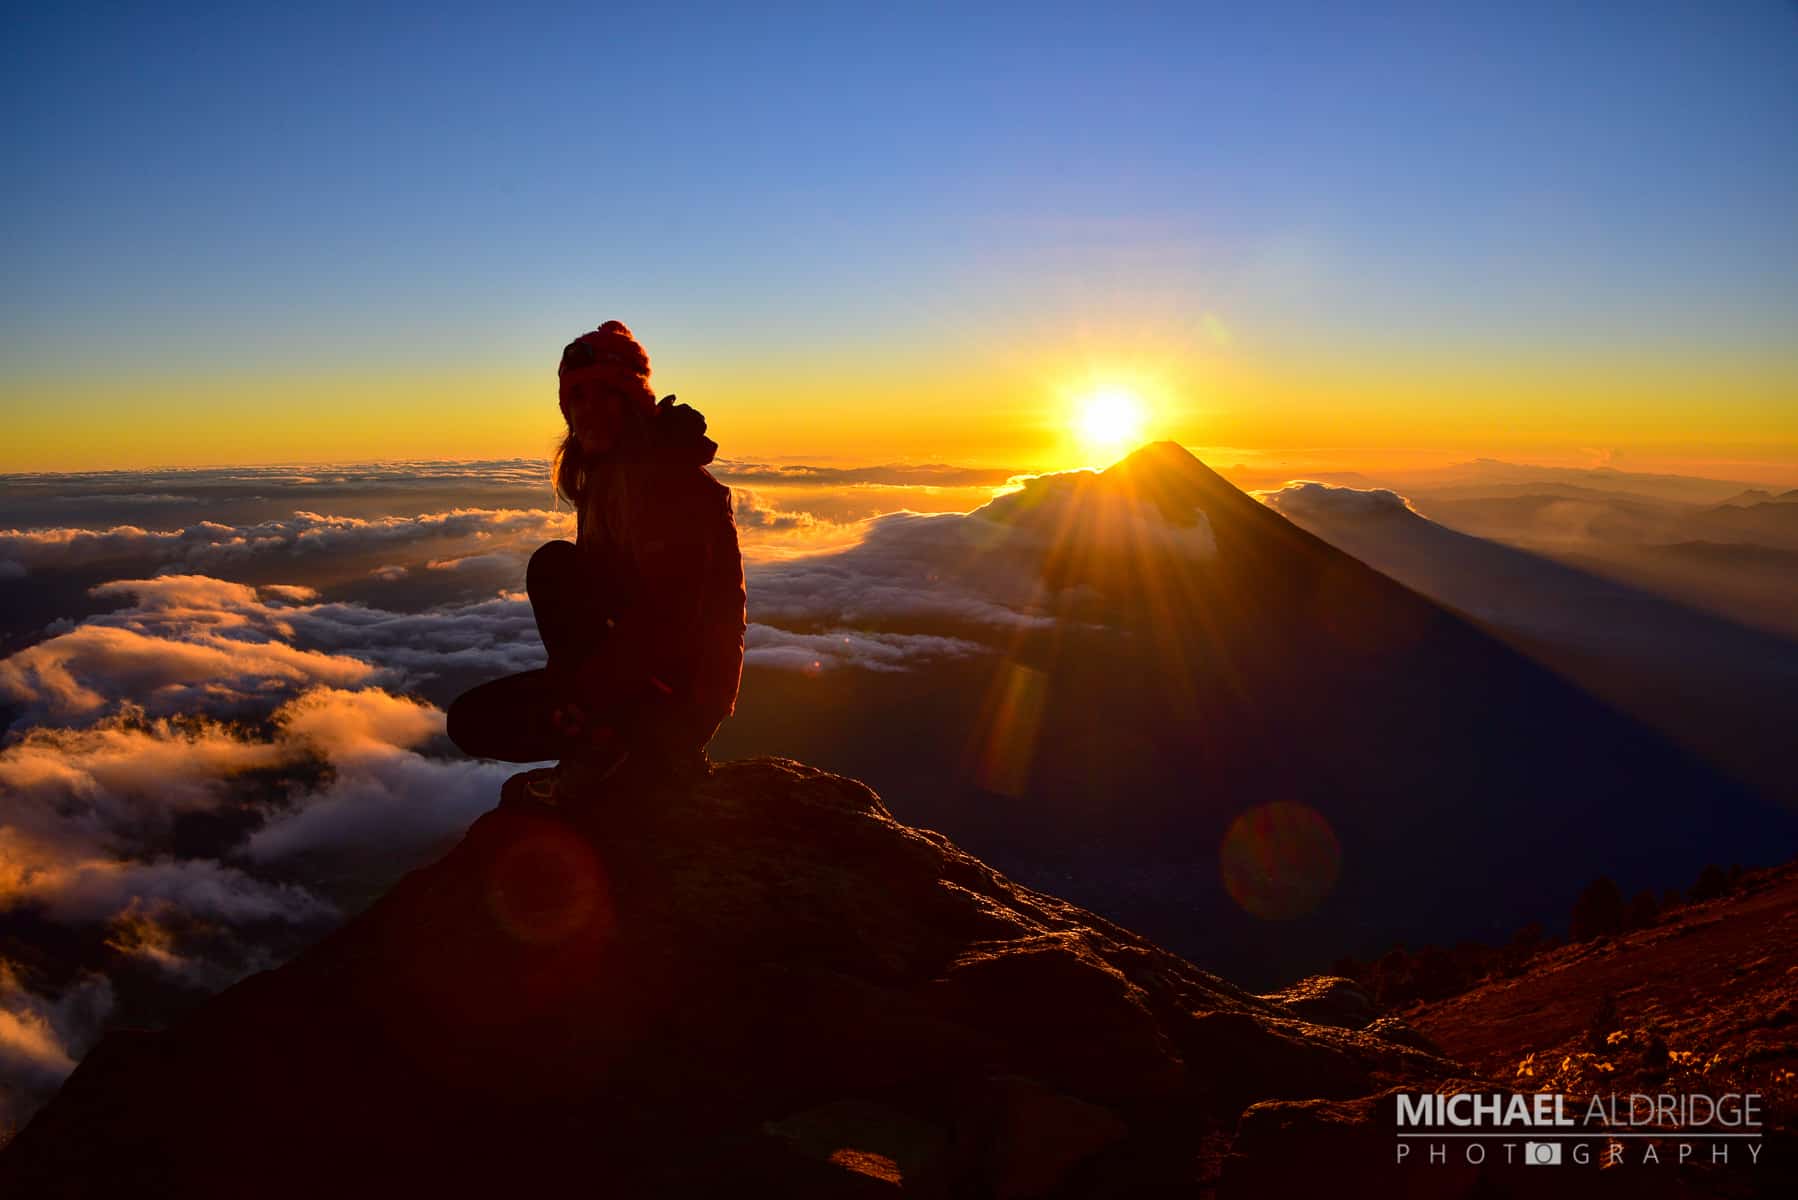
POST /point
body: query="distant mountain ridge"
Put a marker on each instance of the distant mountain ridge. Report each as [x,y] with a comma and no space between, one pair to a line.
[1755,496]
[1698,677]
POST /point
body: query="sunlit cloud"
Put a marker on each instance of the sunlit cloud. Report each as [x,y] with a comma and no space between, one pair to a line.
[170,484]
[754,511]
[41,1035]
[393,802]
[733,471]
[908,566]
[768,646]
[509,565]
[302,538]
[128,499]
[121,782]
[768,532]
[98,890]
[190,660]
[195,644]
[1304,498]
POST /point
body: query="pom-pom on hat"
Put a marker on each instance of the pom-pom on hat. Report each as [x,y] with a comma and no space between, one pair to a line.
[608,360]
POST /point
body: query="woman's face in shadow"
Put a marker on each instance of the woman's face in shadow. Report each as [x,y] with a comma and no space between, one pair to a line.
[593,418]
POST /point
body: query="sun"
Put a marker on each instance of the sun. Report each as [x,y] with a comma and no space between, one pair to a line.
[1109,418]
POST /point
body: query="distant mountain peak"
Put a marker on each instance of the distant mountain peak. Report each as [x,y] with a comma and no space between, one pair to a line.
[1173,479]
[1754,496]
[1159,456]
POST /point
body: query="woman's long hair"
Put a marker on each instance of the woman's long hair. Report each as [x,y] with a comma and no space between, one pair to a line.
[611,489]
[607,489]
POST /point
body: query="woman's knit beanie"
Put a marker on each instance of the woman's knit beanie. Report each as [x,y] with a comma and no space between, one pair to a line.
[607,360]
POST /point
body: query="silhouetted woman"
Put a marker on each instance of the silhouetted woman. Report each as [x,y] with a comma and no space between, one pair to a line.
[642,614]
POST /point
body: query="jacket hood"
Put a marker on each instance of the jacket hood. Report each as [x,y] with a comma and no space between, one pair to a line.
[677,434]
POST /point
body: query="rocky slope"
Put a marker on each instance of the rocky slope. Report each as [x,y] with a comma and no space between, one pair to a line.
[761,985]
[1703,1001]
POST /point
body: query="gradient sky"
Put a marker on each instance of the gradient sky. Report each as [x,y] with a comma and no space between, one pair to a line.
[237,233]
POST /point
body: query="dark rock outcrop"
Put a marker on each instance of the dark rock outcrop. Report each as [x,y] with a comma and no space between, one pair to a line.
[759,985]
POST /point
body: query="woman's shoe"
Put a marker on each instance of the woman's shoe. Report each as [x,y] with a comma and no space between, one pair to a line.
[529,789]
[688,766]
[583,775]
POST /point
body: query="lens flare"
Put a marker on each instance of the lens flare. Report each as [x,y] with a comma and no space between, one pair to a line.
[547,886]
[1006,735]
[1280,860]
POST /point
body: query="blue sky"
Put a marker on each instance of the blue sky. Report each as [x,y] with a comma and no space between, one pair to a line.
[263,188]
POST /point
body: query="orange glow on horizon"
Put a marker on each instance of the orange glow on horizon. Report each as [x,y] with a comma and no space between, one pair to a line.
[1017,408]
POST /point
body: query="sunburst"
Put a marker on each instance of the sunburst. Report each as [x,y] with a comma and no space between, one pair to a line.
[1109,419]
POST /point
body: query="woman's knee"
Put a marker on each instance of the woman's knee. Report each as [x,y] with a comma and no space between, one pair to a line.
[550,562]
[506,718]
[476,720]
[460,725]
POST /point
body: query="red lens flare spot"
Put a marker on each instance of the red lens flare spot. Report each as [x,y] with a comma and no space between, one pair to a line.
[547,887]
[1006,736]
[1280,860]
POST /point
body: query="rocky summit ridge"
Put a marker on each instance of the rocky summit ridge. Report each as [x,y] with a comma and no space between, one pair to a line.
[757,984]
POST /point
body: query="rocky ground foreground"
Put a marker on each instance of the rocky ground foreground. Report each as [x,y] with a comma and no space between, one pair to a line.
[764,985]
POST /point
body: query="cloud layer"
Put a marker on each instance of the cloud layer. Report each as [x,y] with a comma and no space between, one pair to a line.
[1305,499]
[187,777]
[306,540]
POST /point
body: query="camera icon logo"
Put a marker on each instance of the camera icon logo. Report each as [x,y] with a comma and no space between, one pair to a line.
[1542,1154]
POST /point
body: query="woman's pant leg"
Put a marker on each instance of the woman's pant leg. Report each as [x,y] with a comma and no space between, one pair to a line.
[509,718]
[513,718]
[566,602]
